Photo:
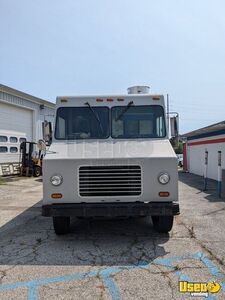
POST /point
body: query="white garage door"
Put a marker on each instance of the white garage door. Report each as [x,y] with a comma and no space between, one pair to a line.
[17,119]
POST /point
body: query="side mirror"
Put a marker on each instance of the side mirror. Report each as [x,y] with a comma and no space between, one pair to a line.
[174,131]
[47,132]
[174,127]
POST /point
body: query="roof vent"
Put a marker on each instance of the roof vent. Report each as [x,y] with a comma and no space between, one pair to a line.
[138,89]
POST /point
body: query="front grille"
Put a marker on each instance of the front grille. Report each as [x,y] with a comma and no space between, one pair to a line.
[109,181]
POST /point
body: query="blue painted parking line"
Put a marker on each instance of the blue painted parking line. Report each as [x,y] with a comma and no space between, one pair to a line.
[106,275]
[213,270]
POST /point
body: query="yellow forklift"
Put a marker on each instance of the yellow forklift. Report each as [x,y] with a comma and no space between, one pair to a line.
[31,156]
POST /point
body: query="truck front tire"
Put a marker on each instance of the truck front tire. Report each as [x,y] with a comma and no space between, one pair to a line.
[61,225]
[162,224]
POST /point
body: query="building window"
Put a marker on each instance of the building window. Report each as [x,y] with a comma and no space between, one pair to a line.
[3,149]
[3,139]
[22,140]
[13,139]
[13,149]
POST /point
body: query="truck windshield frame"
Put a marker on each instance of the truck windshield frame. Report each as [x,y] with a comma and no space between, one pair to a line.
[139,121]
[79,123]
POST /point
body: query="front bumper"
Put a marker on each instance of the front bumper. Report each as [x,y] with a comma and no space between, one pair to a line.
[130,209]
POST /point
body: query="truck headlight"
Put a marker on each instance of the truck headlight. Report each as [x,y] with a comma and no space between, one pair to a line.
[164,178]
[56,180]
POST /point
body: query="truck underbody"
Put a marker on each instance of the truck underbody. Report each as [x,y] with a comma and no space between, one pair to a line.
[162,213]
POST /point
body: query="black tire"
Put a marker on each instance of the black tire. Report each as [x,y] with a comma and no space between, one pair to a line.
[162,224]
[37,171]
[61,225]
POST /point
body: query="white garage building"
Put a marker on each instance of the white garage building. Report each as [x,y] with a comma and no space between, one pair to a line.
[22,116]
[210,139]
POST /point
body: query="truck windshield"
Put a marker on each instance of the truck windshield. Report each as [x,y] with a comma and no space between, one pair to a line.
[138,122]
[82,123]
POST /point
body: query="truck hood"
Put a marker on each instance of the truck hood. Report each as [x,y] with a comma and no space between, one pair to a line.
[110,149]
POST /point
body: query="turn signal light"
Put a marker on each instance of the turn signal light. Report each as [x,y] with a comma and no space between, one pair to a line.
[56,196]
[164,194]
[99,100]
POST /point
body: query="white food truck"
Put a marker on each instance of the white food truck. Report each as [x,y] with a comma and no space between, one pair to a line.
[111,157]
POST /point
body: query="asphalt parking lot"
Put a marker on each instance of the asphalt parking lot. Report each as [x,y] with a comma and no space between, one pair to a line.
[109,259]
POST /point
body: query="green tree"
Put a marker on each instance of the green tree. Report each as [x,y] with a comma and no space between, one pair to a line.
[179,150]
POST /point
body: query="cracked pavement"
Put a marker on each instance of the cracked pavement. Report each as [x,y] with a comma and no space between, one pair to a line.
[109,259]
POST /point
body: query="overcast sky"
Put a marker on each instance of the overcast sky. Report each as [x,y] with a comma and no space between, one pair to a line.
[55,47]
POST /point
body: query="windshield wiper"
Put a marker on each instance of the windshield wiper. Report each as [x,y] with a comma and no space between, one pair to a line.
[96,116]
[125,110]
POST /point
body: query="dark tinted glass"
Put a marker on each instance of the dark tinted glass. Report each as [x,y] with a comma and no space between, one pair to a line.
[13,149]
[22,140]
[3,139]
[3,149]
[13,139]
[82,123]
[138,122]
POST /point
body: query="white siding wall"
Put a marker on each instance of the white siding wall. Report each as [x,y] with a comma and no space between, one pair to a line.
[16,118]
[23,116]
[196,157]
[38,115]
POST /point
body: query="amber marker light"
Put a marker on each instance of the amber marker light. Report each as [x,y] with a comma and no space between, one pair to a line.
[99,100]
[164,194]
[64,100]
[56,195]
[155,97]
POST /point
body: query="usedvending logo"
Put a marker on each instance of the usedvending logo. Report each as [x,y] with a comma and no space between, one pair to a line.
[199,289]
